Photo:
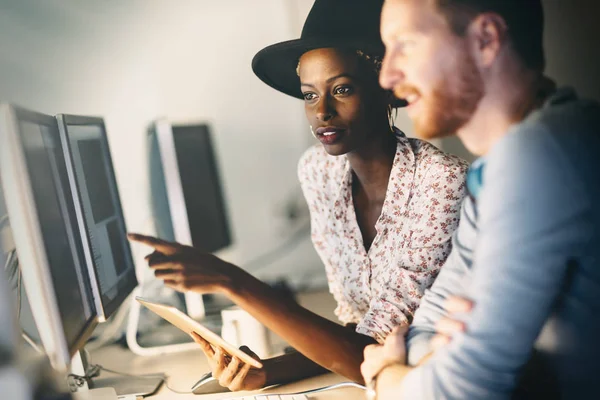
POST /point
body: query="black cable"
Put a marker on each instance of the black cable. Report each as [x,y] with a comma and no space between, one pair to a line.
[273,255]
[14,276]
[8,265]
[112,371]
[164,378]
[3,220]
[19,289]
[7,262]
[10,268]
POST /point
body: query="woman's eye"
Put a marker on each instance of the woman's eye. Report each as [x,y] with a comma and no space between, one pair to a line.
[343,90]
[309,96]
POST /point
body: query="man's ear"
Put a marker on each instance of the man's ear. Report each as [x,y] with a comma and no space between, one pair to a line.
[487,35]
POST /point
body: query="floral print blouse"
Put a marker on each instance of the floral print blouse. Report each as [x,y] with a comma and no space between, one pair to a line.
[381,288]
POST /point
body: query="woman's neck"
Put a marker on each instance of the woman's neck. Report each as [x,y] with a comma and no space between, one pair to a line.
[372,166]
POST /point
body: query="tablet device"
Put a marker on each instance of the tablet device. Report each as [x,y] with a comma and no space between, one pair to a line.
[189,325]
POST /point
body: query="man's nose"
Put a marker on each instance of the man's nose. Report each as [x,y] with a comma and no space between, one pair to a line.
[391,75]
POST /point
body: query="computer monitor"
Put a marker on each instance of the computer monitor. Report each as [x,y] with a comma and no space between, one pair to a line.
[102,226]
[187,195]
[42,213]
[186,187]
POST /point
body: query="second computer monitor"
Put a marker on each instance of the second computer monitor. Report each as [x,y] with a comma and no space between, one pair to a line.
[43,221]
[187,192]
[103,228]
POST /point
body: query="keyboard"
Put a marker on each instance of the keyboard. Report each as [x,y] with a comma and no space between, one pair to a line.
[272,397]
[298,396]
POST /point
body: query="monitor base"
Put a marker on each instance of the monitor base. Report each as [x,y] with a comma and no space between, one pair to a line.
[125,385]
[129,386]
[96,394]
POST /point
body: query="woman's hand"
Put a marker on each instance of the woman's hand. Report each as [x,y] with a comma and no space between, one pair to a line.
[231,372]
[187,269]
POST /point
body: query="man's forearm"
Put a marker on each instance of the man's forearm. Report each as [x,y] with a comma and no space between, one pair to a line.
[290,367]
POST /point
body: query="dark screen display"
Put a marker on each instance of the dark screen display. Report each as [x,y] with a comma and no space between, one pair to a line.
[201,188]
[56,212]
[92,163]
[98,187]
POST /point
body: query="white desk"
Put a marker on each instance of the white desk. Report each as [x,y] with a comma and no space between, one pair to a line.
[184,369]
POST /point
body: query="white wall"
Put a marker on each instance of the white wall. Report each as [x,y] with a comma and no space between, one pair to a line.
[133,61]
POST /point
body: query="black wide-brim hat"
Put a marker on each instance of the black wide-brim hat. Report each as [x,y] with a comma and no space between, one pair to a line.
[351,24]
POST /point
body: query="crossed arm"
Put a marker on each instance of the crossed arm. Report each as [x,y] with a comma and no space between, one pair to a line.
[532,217]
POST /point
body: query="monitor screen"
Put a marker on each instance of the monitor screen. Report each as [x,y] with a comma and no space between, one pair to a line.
[104,223]
[188,205]
[201,186]
[184,173]
[53,201]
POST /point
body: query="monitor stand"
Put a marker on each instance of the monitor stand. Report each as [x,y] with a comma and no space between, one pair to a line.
[127,386]
[95,394]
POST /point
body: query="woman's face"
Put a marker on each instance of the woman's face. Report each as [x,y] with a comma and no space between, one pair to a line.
[343,101]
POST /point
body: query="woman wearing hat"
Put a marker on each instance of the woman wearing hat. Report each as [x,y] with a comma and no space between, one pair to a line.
[383,207]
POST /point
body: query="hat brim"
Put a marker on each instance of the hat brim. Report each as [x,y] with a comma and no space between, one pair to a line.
[276,65]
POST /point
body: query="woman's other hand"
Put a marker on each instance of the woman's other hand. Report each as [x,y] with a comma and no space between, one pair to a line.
[231,372]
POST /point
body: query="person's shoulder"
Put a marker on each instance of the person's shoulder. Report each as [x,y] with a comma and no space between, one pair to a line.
[437,162]
[566,105]
[547,162]
[564,118]
[566,131]
[557,145]
[527,146]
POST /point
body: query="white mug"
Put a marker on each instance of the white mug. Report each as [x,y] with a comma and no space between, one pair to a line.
[242,329]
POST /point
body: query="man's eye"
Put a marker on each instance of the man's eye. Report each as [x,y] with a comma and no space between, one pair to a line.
[406,45]
[309,96]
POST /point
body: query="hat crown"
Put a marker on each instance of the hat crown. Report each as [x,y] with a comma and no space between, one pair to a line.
[348,19]
[348,24]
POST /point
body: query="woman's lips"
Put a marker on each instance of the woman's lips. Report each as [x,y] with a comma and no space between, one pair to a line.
[330,134]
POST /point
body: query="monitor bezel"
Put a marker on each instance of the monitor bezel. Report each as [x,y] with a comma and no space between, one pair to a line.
[105,310]
[27,233]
